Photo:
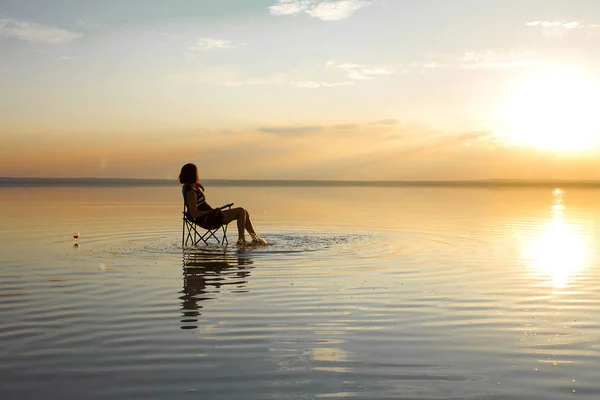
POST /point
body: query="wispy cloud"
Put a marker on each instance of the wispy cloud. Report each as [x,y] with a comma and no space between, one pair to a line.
[360,72]
[558,24]
[335,74]
[279,82]
[289,7]
[306,84]
[291,130]
[325,10]
[346,126]
[315,85]
[493,59]
[559,29]
[213,44]
[309,76]
[377,126]
[247,82]
[286,79]
[33,32]
[335,84]
[390,121]
[277,79]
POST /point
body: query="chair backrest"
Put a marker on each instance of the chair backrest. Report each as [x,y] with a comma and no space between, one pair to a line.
[186,213]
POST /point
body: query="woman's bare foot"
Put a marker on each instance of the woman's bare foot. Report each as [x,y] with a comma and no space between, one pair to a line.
[258,240]
[241,242]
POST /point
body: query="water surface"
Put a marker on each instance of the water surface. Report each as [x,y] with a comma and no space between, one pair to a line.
[364,292]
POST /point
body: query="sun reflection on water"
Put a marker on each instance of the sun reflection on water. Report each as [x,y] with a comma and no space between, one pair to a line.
[559,250]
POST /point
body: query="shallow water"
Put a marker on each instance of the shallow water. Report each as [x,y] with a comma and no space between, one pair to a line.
[411,293]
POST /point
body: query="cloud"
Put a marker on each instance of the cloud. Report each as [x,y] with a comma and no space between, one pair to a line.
[306,84]
[309,77]
[559,29]
[281,79]
[486,59]
[315,85]
[210,75]
[556,24]
[247,82]
[325,10]
[336,10]
[492,59]
[293,130]
[32,32]
[428,65]
[360,72]
[302,78]
[289,7]
[381,126]
[345,126]
[390,121]
[335,84]
[213,44]
[277,79]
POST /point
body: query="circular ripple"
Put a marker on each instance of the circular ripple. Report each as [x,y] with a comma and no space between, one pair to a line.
[289,244]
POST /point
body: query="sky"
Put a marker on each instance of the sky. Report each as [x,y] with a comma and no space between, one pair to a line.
[300,89]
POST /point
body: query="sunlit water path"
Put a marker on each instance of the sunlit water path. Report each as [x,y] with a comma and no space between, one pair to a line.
[363,293]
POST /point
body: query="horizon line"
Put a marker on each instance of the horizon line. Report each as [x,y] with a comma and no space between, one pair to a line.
[488,182]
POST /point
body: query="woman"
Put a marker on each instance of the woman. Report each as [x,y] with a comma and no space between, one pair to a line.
[211,218]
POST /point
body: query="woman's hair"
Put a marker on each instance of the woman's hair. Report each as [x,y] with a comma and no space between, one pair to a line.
[189,174]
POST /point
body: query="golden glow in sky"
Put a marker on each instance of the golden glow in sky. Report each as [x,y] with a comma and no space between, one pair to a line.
[554,109]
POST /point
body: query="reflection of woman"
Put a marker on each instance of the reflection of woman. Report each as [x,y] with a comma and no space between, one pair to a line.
[193,287]
[201,273]
[211,218]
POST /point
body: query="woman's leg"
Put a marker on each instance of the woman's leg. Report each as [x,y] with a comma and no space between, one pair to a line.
[240,215]
[243,222]
[250,228]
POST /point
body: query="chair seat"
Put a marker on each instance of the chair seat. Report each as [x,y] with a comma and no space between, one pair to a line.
[193,233]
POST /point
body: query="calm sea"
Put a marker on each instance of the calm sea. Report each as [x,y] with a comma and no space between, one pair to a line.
[364,293]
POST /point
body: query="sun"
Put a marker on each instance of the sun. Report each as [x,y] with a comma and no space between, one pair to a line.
[554,109]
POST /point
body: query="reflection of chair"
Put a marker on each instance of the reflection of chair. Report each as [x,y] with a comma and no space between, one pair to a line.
[193,232]
[205,273]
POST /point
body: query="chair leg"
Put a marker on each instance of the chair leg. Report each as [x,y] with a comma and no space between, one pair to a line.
[210,233]
[197,235]
[191,234]
[224,229]
[188,233]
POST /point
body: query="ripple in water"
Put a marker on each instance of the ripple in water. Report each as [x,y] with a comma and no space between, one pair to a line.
[279,244]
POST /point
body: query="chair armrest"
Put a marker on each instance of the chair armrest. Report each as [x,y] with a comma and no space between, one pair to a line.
[226,206]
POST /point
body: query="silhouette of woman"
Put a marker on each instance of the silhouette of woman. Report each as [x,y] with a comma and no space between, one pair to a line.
[209,217]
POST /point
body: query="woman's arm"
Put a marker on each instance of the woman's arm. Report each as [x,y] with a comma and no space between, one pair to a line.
[190,200]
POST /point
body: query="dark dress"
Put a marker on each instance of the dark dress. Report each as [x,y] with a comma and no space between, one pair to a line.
[212,220]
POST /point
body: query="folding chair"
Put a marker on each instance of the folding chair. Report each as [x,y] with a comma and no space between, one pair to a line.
[193,233]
